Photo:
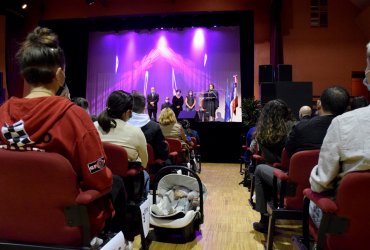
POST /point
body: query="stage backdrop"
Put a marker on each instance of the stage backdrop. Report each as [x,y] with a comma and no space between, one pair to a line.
[168,59]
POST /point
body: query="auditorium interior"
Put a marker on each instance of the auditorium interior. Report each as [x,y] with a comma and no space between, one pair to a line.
[292,50]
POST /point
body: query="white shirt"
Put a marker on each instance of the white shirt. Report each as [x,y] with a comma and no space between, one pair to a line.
[346,148]
[129,137]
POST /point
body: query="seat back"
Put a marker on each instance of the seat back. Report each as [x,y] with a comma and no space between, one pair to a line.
[285,160]
[151,157]
[35,188]
[117,159]
[300,167]
[354,205]
[174,145]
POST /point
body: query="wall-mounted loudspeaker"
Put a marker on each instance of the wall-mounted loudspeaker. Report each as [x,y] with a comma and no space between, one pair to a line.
[284,73]
[266,73]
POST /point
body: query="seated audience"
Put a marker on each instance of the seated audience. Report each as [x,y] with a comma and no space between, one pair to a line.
[189,132]
[345,149]
[112,127]
[172,129]
[305,112]
[43,120]
[151,129]
[272,129]
[306,134]
[83,103]
[359,102]
[46,121]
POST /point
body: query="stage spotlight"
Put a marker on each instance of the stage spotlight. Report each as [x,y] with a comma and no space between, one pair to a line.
[24,6]
[90,2]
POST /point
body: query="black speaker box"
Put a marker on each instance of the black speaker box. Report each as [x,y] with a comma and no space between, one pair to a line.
[295,94]
[266,73]
[284,73]
[189,115]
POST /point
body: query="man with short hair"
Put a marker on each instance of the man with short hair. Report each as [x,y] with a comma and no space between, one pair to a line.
[305,135]
[151,129]
[152,99]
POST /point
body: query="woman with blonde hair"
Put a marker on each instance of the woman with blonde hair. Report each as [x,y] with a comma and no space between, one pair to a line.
[172,129]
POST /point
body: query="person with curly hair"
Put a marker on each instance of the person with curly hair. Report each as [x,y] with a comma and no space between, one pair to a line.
[272,129]
[271,133]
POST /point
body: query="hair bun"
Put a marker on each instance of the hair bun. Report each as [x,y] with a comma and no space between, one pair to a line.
[43,37]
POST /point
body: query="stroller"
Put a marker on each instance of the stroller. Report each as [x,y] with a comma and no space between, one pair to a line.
[177,209]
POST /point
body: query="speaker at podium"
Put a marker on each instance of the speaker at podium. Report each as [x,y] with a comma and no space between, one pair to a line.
[189,115]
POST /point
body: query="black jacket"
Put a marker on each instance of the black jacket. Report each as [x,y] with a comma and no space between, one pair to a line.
[308,134]
[154,137]
[154,99]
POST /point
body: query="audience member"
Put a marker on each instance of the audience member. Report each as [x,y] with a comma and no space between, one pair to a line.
[306,134]
[83,103]
[112,127]
[272,129]
[345,149]
[152,99]
[151,129]
[166,103]
[177,102]
[189,132]
[172,129]
[305,112]
[44,121]
[367,70]
[359,102]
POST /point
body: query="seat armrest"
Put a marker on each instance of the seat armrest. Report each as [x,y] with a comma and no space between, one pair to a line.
[88,196]
[281,175]
[324,203]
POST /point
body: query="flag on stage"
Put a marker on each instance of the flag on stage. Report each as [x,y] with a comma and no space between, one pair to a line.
[227,104]
[234,99]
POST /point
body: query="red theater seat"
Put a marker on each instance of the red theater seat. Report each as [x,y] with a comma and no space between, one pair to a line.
[290,204]
[42,204]
[346,220]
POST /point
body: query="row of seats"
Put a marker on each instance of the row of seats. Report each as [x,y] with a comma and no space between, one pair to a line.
[42,202]
[345,222]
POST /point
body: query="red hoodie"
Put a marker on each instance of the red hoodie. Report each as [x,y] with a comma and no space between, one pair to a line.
[55,124]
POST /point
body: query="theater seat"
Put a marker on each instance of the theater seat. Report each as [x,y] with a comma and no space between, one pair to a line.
[42,204]
[175,148]
[117,161]
[154,165]
[346,220]
[288,201]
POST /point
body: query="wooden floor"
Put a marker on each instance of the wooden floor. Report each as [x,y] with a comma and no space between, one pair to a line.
[228,216]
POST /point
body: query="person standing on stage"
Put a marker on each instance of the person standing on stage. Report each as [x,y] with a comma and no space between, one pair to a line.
[190,101]
[152,100]
[166,103]
[177,102]
[212,102]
